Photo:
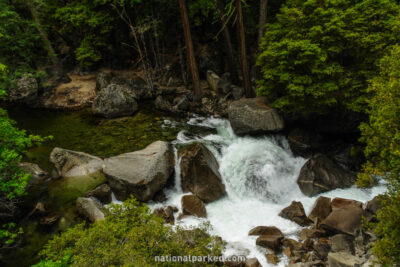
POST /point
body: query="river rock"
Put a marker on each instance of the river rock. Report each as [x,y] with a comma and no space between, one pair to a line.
[339,202]
[252,262]
[346,220]
[372,207]
[50,219]
[166,213]
[102,193]
[26,89]
[342,242]
[141,173]
[322,250]
[272,242]
[114,101]
[272,258]
[311,233]
[321,209]
[295,212]
[343,259]
[90,208]
[200,175]
[192,205]
[103,79]
[319,174]
[266,230]
[68,163]
[254,116]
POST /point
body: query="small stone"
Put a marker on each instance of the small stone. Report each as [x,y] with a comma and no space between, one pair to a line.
[272,258]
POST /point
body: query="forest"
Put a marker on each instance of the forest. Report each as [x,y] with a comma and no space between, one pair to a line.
[133,129]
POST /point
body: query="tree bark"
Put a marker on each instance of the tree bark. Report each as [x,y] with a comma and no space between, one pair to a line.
[249,93]
[43,35]
[261,23]
[227,43]
[190,52]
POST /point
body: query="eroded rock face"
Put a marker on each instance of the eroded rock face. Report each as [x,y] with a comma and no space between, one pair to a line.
[26,90]
[192,205]
[200,175]
[90,208]
[68,163]
[254,116]
[114,101]
[319,174]
[295,212]
[141,173]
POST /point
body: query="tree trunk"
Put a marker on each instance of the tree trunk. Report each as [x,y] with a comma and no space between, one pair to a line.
[43,35]
[261,23]
[190,52]
[228,44]
[242,47]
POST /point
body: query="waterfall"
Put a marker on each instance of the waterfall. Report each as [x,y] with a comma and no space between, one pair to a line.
[260,179]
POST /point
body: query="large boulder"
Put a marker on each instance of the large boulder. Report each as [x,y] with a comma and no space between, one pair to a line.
[200,175]
[90,208]
[319,174]
[344,220]
[321,209]
[295,212]
[192,205]
[343,259]
[26,89]
[114,101]
[68,163]
[141,173]
[254,116]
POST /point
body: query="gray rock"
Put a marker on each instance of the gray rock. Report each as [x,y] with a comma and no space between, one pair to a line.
[192,205]
[103,79]
[343,259]
[102,193]
[90,208]
[254,116]
[200,175]
[295,212]
[26,89]
[141,173]
[319,174]
[115,101]
[68,163]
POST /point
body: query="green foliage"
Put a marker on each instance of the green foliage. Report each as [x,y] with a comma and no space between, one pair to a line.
[382,138]
[20,44]
[320,54]
[13,143]
[129,236]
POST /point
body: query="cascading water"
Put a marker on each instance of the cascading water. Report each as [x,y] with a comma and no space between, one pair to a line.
[260,178]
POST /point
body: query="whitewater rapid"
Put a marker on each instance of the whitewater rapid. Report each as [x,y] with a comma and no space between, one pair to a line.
[260,179]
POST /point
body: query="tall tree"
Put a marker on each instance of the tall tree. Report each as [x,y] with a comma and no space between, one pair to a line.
[190,52]
[262,19]
[242,50]
[43,35]
[227,41]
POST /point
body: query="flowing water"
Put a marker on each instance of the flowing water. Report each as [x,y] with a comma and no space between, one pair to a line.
[260,178]
[259,173]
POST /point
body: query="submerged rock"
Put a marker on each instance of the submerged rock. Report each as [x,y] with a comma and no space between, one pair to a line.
[295,212]
[254,116]
[115,101]
[68,163]
[200,175]
[192,205]
[141,173]
[319,174]
[90,208]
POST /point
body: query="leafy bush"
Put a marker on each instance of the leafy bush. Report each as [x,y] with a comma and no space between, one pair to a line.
[320,54]
[13,143]
[130,236]
[382,138]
